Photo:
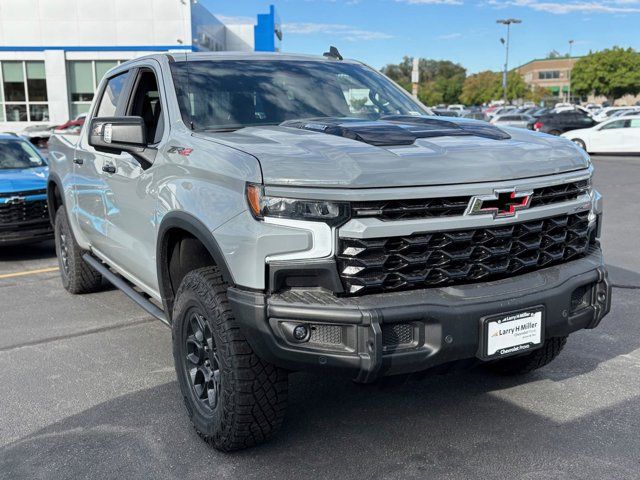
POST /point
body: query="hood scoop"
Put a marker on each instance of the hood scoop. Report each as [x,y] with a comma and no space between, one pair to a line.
[396,129]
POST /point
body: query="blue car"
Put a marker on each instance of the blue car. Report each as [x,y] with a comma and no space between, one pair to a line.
[24,216]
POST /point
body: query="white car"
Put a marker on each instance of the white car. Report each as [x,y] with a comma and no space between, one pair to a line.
[458,108]
[607,112]
[501,111]
[618,135]
[520,120]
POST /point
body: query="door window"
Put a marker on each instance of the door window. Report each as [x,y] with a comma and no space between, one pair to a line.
[616,124]
[111,95]
[635,123]
[145,102]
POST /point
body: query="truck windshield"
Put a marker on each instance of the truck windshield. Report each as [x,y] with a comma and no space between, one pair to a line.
[229,94]
[18,154]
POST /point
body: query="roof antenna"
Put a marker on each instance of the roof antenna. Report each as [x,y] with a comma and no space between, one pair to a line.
[333,53]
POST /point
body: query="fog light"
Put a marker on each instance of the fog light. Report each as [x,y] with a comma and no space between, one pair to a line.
[301,333]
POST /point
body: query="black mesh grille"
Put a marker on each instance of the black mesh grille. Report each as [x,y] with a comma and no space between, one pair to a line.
[460,256]
[455,206]
[326,334]
[23,194]
[23,211]
[397,334]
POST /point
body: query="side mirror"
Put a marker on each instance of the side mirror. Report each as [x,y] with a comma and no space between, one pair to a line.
[118,134]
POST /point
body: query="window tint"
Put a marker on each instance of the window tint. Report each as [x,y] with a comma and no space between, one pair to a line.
[146,103]
[111,95]
[616,124]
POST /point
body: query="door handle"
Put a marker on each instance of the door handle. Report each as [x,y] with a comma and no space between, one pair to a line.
[78,161]
[109,169]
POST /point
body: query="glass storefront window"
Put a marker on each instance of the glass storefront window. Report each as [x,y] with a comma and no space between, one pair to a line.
[84,77]
[23,92]
[36,82]
[13,78]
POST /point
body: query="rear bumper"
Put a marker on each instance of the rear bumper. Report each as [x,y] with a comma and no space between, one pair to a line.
[26,233]
[364,335]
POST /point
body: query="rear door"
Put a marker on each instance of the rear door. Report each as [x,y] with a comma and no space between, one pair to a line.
[610,137]
[631,136]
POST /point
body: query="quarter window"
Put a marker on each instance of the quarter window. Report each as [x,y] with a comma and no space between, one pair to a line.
[111,95]
[23,92]
[83,78]
[616,124]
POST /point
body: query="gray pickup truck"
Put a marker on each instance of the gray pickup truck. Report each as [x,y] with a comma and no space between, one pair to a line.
[285,212]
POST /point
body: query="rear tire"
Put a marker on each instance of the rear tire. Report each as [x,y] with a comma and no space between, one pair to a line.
[234,399]
[77,275]
[531,361]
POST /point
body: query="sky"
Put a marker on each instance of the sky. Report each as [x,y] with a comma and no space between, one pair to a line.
[379,32]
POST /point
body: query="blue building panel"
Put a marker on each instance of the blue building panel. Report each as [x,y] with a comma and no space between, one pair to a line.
[268,32]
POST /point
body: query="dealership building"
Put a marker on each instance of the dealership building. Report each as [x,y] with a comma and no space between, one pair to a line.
[53,53]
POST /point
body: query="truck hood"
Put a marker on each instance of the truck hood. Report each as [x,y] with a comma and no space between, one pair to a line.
[23,180]
[374,155]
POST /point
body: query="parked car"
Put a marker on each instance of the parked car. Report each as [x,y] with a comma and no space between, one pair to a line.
[474,115]
[38,134]
[520,120]
[75,124]
[457,107]
[557,123]
[23,181]
[245,202]
[446,113]
[608,112]
[501,111]
[626,113]
[618,135]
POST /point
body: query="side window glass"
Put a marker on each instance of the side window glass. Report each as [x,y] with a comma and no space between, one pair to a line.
[111,95]
[613,125]
[635,123]
[145,103]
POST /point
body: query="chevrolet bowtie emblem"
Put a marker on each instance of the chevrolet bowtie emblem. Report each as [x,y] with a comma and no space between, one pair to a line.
[502,203]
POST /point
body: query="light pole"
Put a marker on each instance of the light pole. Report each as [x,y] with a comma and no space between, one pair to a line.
[507,22]
[570,68]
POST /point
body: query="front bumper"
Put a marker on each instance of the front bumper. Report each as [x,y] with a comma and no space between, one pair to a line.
[26,233]
[363,335]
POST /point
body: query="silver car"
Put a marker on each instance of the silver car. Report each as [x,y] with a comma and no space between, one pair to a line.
[519,120]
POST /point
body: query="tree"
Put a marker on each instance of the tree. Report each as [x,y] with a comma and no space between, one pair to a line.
[537,94]
[486,86]
[441,81]
[611,72]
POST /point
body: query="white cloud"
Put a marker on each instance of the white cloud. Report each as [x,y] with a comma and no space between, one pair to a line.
[231,20]
[561,8]
[345,32]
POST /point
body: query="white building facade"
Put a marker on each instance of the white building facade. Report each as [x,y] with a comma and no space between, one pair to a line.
[53,53]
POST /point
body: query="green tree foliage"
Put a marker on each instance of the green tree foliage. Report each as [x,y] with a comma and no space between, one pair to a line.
[441,81]
[486,86]
[611,72]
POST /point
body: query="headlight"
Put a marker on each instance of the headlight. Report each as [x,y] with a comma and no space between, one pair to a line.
[261,206]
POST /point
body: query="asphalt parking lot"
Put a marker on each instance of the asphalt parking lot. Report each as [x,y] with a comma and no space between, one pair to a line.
[88,390]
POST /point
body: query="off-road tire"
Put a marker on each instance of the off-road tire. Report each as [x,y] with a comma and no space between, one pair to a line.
[531,361]
[251,396]
[77,275]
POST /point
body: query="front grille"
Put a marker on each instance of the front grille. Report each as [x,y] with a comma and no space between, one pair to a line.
[326,334]
[456,206]
[25,193]
[559,193]
[460,256]
[397,334]
[22,212]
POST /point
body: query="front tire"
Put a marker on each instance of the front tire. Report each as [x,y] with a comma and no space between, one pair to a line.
[579,143]
[531,361]
[77,275]
[234,399]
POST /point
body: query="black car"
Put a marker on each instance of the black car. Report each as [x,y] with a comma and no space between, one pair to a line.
[560,122]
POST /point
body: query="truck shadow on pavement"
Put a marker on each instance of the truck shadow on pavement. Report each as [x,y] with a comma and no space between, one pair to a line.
[450,425]
[28,251]
[577,418]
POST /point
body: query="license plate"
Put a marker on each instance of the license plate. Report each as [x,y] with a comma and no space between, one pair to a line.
[513,333]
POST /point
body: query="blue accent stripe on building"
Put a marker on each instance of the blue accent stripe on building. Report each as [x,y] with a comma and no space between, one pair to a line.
[98,48]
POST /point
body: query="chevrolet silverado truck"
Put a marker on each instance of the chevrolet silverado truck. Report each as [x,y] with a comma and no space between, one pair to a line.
[283,212]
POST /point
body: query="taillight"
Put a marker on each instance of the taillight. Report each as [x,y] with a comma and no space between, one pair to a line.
[537,126]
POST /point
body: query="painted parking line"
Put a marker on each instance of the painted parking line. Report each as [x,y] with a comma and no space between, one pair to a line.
[28,272]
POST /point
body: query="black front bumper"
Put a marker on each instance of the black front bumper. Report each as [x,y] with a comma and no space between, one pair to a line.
[25,233]
[364,335]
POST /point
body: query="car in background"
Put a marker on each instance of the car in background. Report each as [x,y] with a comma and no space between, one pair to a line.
[70,125]
[501,111]
[519,120]
[24,216]
[38,134]
[474,115]
[626,113]
[618,135]
[556,123]
[607,112]
[457,107]
[445,113]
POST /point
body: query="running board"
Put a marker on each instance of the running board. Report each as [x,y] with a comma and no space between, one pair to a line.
[126,288]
